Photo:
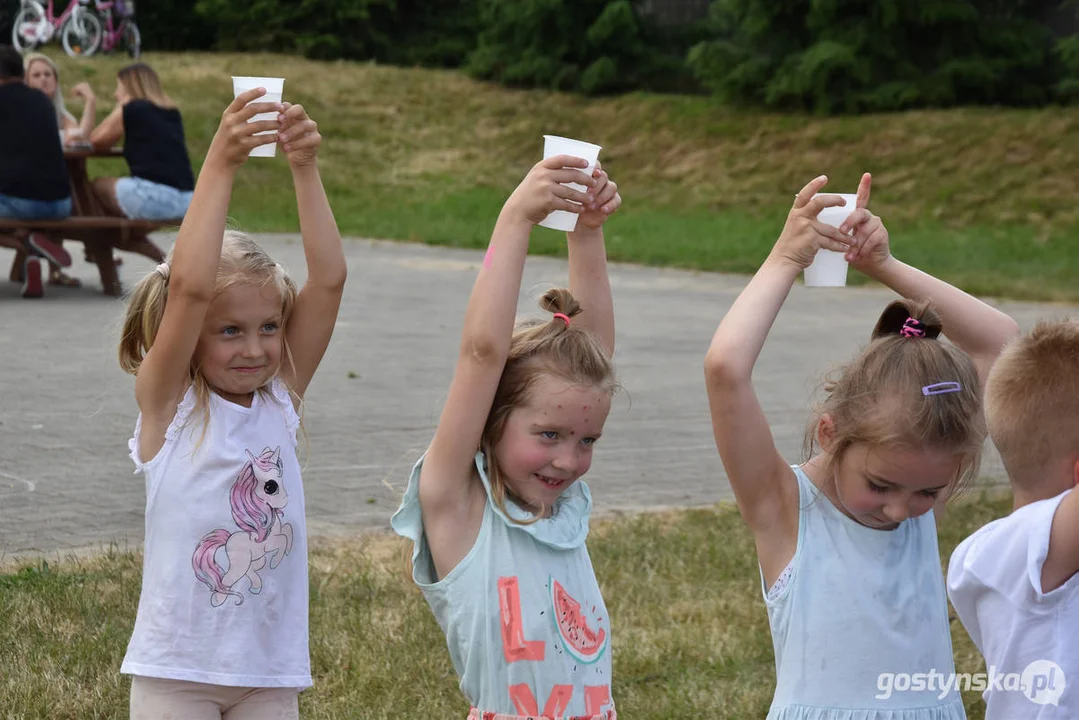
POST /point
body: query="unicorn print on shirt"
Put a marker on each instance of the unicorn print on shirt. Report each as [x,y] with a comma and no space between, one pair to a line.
[258,497]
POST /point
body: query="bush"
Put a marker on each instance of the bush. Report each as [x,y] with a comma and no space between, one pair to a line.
[596,46]
[876,55]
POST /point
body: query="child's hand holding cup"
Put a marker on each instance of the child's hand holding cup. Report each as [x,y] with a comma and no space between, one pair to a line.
[274,89]
[829,268]
[555,145]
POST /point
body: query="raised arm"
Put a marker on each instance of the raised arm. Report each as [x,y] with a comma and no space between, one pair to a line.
[978,329]
[450,496]
[109,132]
[588,279]
[315,313]
[163,373]
[89,109]
[763,485]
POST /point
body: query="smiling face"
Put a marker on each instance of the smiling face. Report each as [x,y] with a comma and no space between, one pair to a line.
[239,348]
[547,442]
[881,486]
[39,75]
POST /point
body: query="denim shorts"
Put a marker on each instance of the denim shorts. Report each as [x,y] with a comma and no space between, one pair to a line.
[144,200]
[22,209]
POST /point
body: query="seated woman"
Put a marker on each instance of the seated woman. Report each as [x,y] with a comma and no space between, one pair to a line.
[33,178]
[42,74]
[161,182]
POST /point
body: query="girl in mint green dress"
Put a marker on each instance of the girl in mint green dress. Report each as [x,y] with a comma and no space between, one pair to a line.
[495,508]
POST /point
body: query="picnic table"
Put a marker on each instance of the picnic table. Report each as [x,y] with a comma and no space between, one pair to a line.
[90,224]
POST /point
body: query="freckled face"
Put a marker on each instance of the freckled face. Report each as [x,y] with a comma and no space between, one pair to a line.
[547,442]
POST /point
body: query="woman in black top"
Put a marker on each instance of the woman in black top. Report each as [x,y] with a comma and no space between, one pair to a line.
[161,181]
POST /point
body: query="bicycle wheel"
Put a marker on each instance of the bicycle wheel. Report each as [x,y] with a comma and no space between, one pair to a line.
[30,28]
[81,34]
[132,39]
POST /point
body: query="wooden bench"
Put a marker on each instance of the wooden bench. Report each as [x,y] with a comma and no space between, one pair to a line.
[100,235]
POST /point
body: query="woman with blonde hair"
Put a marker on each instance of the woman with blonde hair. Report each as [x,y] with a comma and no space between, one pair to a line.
[161,182]
[42,74]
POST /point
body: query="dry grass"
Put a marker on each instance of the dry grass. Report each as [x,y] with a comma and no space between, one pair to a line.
[682,588]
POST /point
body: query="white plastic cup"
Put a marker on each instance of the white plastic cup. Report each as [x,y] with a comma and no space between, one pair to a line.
[554,145]
[829,268]
[274,88]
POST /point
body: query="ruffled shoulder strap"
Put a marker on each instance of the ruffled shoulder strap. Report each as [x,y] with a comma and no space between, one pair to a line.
[281,395]
[179,420]
[567,526]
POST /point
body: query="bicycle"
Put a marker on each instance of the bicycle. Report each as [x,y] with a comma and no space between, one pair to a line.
[126,32]
[35,24]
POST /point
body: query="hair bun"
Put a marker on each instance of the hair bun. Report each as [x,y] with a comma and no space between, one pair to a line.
[560,300]
[897,313]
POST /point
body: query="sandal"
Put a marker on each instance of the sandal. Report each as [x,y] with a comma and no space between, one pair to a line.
[57,277]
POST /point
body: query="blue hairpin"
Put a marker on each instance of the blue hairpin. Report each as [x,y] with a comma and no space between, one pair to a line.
[941,388]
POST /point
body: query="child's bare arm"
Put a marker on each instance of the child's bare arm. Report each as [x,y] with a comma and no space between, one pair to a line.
[761,480]
[980,330]
[315,313]
[163,374]
[449,496]
[588,280]
[1062,561]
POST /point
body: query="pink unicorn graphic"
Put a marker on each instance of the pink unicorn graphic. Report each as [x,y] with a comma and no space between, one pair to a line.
[258,497]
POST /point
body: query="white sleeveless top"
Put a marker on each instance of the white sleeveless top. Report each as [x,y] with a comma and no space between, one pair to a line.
[860,627]
[524,619]
[224,586]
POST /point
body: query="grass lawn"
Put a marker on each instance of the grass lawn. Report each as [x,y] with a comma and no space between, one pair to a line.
[982,197]
[690,632]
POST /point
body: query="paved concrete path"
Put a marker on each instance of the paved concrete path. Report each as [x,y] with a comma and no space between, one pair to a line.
[66,409]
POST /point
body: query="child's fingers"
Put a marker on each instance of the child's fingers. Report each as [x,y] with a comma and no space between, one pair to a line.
[864,188]
[558,203]
[295,112]
[251,128]
[831,234]
[244,98]
[250,111]
[600,178]
[307,141]
[604,196]
[814,206]
[806,193]
[557,162]
[565,175]
[300,129]
[256,140]
[568,193]
[855,219]
[613,204]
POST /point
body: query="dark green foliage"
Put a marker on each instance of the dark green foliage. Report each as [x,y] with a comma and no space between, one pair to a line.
[596,46]
[173,25]
[876,55]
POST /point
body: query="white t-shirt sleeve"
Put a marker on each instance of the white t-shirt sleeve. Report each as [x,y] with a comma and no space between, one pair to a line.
[1003,559]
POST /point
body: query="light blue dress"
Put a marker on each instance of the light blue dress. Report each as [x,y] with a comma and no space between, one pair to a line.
[524,619]
[860,621]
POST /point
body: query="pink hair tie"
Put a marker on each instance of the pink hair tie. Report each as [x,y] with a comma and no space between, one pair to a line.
[563,317]
[913,328]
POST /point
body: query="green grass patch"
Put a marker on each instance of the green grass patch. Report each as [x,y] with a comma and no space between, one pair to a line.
[983,197]
[689,628]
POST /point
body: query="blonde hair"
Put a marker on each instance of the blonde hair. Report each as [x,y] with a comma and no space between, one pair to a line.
[141,83]
[538,348]
[880,398]
[58,96]
[1032,401]
[242,262]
